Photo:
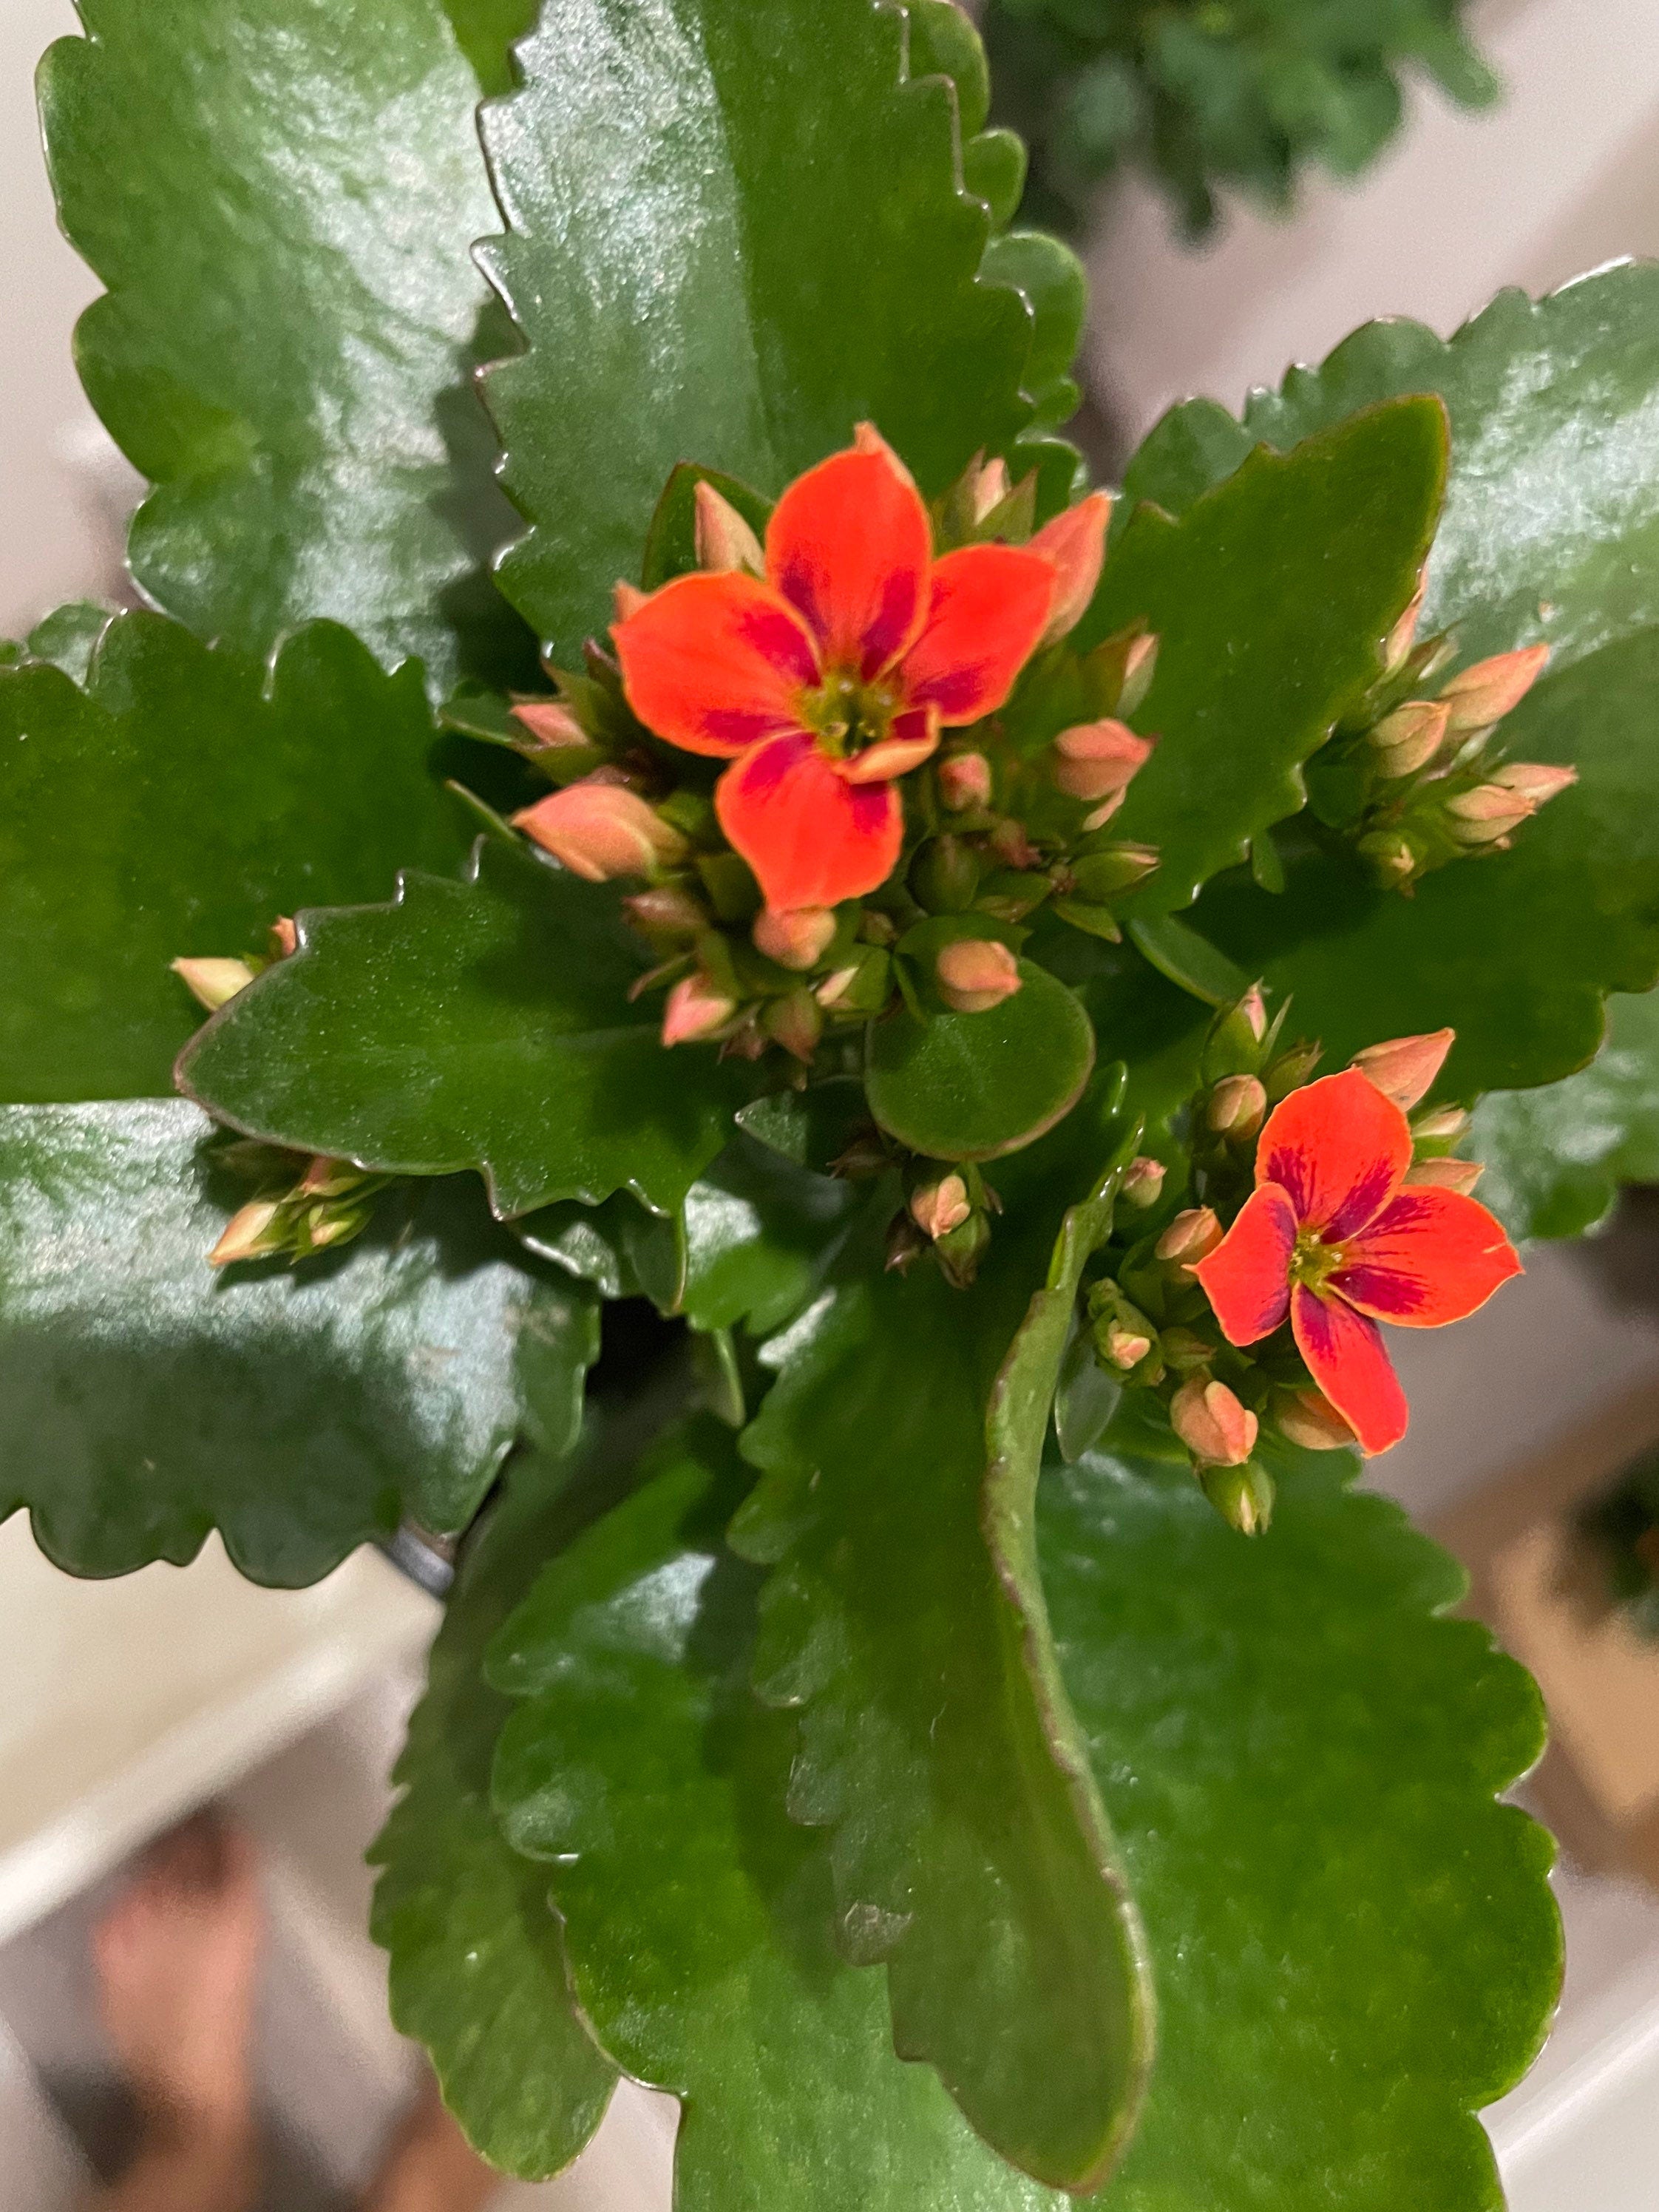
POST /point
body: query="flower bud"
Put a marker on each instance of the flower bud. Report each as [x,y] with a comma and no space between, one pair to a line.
[944,875]
[665,914]
[1210,1421]
[1445,1126]
[860,987]
[1291,1070]
[1243,1496]
[990,488]
[887,758]
[1486,814]
[1185,1349]
[723,539]
[975,974]
[213,983]
[1139,666]
[1397,646]
[1142,1181]
[553,727]
[1404,1069]
[1392,860]
[599,830]
[961,1250]
[1122,1347]
[1098,760]
[1309,1418]
[1190,1237]
[1483,694]
[247,1234]
[1534,782]
[284,937]
[1107,875]
[866,438]
[1409,738]
[1075,542]
[1237,1107]
[938,1207]
[795,937]
[1447,1175]
[964,780]
[694,1010]
[628,599]
[1012,845]
[1236,1037]
[795,1022]
[327,1177]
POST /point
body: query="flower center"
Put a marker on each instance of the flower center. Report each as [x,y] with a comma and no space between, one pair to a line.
[1313,1262]
[846,714]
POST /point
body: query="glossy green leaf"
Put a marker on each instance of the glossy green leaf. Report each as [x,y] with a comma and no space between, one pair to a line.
[486,31]
[968,1850]
[68,637]
[479,1971]
[622,1248]
[281,196]
[974,1086]
[1271,595]
[733,232]
[242,794]
[760,1235]
[697,1915]
[1356,1946]
[144,1400]
[483,1024]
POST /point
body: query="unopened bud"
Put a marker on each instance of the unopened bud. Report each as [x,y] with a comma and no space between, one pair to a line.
[247,1234]
[990,488]
[795,1022]
[1243,1496]
[1185,1349]
[1447,1175]
[1142,1181]
[1237,1035]
[889,758]
[866,438]
[1391,859]
[628,599]
[1107,875]
[1237,1107]
[327,1177]
[666,914]
[1309,1418]
[1483,694]
[1124,1347]
[905,1245]
[1211,1422]
[213,983]
[1397,647]
[1139,666]
[694,1010]
[599,830]
[860,987]
[961,1250]
[1404,1069]
[1190,1237]
[975,974]
[795,937]
[1409,738]
[964,780]
[944,875]
[1098,760]
[1292,1069]
[1486,814]
[1445,1126]
[1533,781]
[284,937]
[553,727]
[1075,542]
[723,539]
[938,1207]
[1012,845]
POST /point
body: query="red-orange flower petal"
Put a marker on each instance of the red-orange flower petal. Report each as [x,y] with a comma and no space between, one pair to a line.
[1346,1357]
[811,838]
[1246,1279]
[988,611]
[849,545]
[714,663]
[1430,1257]
[1340,1149]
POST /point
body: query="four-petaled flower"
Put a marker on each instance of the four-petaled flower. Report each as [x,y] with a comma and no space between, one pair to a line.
[832,675]
[1330,1238]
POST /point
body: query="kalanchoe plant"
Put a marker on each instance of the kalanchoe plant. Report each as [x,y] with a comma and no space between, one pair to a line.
[925,934]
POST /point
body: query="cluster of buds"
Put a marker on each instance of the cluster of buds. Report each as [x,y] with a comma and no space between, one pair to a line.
[947,1211]
[1246,1067]
[1416,777]
[1406,1070]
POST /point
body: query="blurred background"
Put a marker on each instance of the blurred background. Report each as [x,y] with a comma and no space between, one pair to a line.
[130,1702]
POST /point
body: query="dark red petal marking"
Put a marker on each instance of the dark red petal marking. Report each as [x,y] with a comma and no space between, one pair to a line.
[716,663]
[988,611]
[1339,1148]
[1247,1277]
[1431,1256]
[812,839]
[1346,1357]
[849,545]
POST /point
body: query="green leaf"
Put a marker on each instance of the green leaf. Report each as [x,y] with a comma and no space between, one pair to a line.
[760,1235]
[68,637]
[281,196]
[969,1850]
[1271,595]
[640,1767]
[1188,959]
[1356,1946]
[476,1025]
[486,31]
[478,1971]
[975,1086]
[242,794]
[144,1400]
[733,232]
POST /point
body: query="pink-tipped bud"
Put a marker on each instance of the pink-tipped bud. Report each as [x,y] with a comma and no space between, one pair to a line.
[1012,845]
[1098,760]
[1483,694]
[1190,1237]
[723,539]
[1237,1107]
[866,438]
[1409,738]
[247,1234]
[553,727]
[1391,857]
[1443,1127]
[990,488]
[1486,814]
[1396,649]
[666,913]
[1447,1175]
[887,758]
[938,1207]
[1404,1068]
[797,938]
[1536,783]
[1142,1181]
[975,974]
[284,937]
[1076,544]
[1140,666]
[795,1022]
[694,1010]
[1309,1418]
[327,1177]
[599,830]
[628,599]
[837,988]
[964,780]
[1214,1426]
[1126,1347]
[213,983]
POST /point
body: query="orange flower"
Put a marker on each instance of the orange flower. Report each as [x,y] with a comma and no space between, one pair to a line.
[830,677]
